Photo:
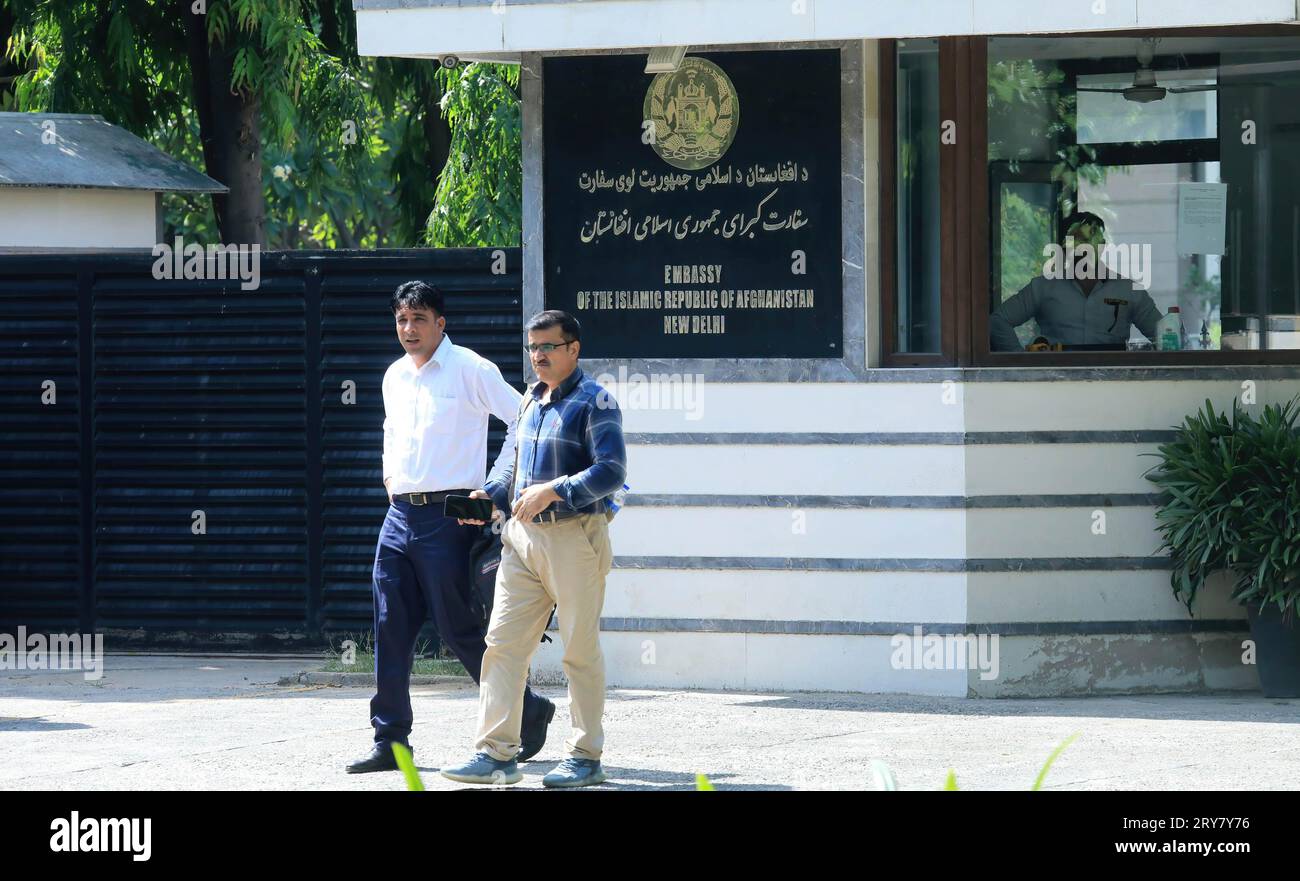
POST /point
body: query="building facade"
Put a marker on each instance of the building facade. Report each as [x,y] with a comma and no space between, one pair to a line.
[789,242]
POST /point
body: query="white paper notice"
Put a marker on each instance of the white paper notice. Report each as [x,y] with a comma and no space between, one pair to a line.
[1202,212]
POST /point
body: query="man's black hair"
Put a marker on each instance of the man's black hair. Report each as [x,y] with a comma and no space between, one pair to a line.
[555,318]
[418,295]
[1079,217]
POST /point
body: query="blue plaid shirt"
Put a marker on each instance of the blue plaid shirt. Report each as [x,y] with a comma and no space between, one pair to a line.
[577,436]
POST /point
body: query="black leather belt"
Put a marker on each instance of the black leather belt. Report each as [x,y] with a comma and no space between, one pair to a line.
[555,516]
[429,498]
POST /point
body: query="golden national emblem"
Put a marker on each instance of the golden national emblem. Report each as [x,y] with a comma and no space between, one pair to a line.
[695,112]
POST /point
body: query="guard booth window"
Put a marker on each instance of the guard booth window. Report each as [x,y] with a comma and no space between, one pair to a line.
[1169,169]
[1128,199]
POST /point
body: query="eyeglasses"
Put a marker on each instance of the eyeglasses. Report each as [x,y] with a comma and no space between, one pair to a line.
[1087,233]
[545,348]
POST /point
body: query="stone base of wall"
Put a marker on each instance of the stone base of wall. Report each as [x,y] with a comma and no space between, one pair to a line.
[1058,666]
[1026,666]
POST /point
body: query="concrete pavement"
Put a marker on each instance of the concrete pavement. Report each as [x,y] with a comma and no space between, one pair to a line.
[187,722]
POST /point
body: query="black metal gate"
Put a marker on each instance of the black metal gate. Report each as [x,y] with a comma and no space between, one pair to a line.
[188,462]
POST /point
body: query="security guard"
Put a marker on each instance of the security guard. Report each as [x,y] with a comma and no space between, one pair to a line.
[1095,310]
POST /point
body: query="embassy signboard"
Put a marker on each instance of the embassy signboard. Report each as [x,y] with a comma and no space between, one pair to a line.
[696,214]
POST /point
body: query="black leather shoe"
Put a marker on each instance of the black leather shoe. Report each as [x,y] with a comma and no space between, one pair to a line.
[380,759]
[532,737]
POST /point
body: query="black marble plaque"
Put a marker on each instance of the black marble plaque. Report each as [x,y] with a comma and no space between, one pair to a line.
[696,217]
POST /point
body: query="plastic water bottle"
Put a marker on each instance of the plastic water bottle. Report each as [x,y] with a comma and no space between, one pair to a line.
[1170,335]
[615,501]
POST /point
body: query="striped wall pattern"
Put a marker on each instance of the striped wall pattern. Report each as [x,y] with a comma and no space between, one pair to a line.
[752,556]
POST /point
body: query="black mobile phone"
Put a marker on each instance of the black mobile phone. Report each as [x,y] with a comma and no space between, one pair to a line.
[465,508]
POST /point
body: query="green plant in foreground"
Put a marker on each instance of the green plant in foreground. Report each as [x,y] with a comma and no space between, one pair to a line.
[407,765]
[1042,772]
[1233,503]
[880,772]
[883,776]
[886,783]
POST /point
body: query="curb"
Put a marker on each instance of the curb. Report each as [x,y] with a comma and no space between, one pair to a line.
[345,680]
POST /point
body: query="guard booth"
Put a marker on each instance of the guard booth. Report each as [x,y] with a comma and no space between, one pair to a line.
[789,230]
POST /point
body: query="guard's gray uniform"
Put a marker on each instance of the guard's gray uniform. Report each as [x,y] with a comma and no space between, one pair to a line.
[1066,315]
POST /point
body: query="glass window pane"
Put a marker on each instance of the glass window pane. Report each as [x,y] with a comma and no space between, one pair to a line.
[1110,117]
[917,313]
[1185,154]
[1025,209]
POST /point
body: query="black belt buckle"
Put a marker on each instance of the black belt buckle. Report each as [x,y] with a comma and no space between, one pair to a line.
[430,498]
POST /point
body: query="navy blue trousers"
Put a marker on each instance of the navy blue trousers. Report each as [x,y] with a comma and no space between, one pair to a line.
[421,570]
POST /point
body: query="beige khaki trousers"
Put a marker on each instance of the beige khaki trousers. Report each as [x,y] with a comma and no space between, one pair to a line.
[560,564]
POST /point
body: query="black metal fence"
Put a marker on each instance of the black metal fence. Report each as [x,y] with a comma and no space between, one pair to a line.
[188,462]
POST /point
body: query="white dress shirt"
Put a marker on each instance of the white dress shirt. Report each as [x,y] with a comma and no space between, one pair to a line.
[436,420]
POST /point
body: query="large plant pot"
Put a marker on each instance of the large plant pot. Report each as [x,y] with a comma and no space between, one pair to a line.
[1277,651]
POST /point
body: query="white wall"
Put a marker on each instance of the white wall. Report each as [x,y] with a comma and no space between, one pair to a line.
[65,217]
[767,588]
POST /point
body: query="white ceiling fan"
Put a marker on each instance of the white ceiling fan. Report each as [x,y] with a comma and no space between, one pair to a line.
[1145,89]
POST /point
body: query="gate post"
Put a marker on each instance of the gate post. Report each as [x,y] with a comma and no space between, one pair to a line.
[86,450]
[314,449]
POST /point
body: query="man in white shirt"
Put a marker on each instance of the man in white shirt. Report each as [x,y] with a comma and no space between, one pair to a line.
[437,398]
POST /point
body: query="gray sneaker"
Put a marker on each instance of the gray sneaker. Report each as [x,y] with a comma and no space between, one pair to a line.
[575,772]
[484,769]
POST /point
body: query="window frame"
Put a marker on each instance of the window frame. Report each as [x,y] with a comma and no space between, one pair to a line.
[964,206]
[888,215]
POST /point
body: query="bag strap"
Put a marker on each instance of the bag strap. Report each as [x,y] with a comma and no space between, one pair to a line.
[519,422]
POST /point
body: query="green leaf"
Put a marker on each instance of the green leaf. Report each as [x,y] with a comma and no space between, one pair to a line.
[407,766]
[1042,774]
[883,777]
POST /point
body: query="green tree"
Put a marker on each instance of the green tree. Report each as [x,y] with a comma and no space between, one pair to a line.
[237,65]
[480,192]
[319,146]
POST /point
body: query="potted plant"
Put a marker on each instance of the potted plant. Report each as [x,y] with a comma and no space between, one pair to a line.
[1233,504]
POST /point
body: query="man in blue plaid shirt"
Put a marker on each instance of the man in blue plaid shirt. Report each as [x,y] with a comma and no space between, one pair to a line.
[555,551]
